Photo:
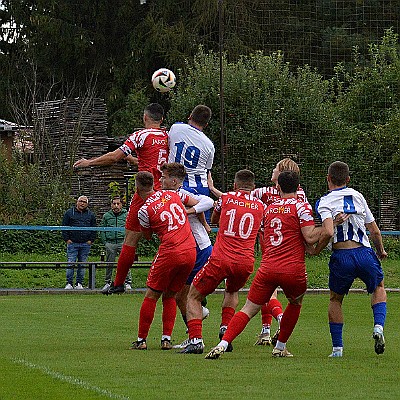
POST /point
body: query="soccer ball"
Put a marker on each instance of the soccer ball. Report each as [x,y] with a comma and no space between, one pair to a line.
[163,80]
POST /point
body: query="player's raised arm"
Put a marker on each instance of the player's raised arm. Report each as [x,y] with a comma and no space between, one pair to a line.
[106,159]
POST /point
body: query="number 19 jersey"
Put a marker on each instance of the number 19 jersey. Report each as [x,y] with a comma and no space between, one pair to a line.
[192,148]
[241,215]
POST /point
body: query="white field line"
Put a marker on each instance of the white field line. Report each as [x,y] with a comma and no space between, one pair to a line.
[69,379]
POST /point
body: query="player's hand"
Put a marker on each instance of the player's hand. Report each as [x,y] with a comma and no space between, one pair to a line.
[382,255]
[340,218]
[310,250]
[83,162]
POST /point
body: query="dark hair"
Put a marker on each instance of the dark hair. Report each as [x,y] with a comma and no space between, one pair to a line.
[155,112]
[339,173]
[174,170]
[244,179]
[144,179]
[201,115]
[116,198]
[288,181]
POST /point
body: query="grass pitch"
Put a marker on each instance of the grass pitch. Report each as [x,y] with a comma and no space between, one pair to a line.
[76,347]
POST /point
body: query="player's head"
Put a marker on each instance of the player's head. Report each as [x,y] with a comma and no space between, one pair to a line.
[201,115]
[338,173]
[288,181]
[144,183]
[116,204]
[154,112]
[285,164]
[172,175]
[244,180]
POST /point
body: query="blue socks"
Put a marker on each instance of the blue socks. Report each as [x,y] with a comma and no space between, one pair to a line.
[336,330]
[379,310]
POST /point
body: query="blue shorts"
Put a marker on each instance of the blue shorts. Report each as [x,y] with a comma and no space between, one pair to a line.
[201,258]
[349,264]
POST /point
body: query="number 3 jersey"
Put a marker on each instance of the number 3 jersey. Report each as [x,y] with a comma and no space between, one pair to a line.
[151,148]
[348,201]
[164,213]
[241,215]
[283,239]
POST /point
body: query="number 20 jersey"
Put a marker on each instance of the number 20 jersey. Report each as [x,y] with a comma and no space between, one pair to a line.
[164,213]
[241,215]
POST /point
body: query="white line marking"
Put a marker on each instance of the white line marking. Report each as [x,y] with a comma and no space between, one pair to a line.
[69,379]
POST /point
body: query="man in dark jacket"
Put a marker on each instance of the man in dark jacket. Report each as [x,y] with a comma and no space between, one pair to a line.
[78,241]
[113,240]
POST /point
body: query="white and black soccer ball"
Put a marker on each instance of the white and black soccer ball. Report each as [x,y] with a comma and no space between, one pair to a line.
[163,80]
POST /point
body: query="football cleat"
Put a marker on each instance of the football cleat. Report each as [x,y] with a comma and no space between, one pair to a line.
[139,345]
[114,290]
[215,353]
[281,353]
[166,344]
[379,340]
[222,331]
[205,312]
[336,353]
[182,345]
[263,339]
[274,338]
[192,348]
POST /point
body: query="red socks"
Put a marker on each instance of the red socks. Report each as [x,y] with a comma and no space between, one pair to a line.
[236,326]
[125,262]
[274,307]
[168,315]
[146,316]
[226,315]
[289,321]
[195,327]
[266,316]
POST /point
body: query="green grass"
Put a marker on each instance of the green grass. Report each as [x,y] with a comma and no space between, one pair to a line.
[317,268]
[75,347]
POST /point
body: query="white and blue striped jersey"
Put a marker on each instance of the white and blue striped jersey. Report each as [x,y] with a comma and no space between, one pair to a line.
[192,148]
[348,201]
[199,231]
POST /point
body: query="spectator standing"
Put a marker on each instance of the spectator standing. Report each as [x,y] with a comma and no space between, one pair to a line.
[113,240]
[78,242]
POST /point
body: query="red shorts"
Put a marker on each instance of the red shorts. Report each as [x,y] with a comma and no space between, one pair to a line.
[216,270]
[170,270]
[266,281]
[132,220]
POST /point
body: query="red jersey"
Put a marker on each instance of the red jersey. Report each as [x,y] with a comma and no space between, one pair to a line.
[240,219]
[284,242]
[151,148]
[164,213]
[271,194]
